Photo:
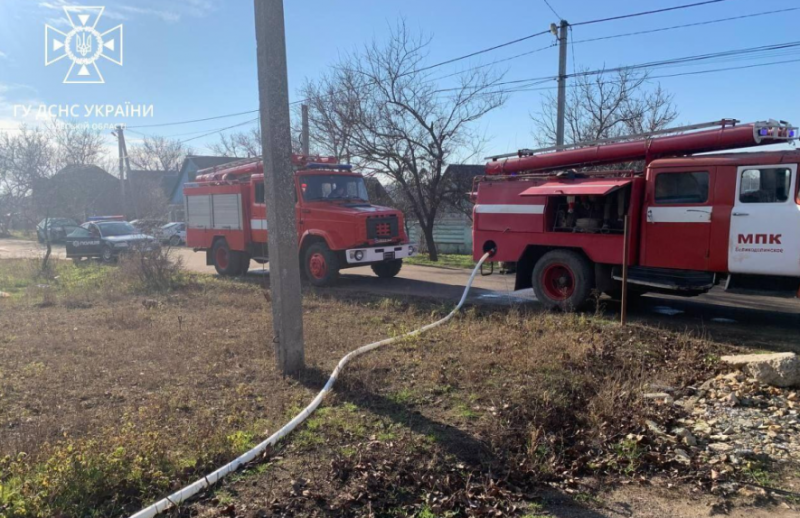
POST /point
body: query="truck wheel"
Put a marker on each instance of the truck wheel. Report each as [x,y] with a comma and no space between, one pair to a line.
[245,263]
[387,269]
[321,265]
[226,261]
[563,279]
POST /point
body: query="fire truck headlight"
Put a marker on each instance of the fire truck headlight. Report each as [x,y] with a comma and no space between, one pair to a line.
[359,255]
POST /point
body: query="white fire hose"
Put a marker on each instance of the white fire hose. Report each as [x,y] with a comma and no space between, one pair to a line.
[195,487]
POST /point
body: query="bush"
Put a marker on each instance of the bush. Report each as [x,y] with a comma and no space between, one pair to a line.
[152,271]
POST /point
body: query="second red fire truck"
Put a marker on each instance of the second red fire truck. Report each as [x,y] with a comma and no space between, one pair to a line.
[337,226]
[694,220]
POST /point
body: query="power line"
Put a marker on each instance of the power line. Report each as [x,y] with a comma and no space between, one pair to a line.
[219,131]
[476,53]
[662,63]
[552,10]
[192,121]
[552,45]
[664,76]
[708,22]
[644,13]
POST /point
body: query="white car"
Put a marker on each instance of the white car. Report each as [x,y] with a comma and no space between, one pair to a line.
[173,233]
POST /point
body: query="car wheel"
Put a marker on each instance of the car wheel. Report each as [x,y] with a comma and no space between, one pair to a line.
[107,255]
[227,262]
[387,269]
[563,279]
[175,241]
[321,265]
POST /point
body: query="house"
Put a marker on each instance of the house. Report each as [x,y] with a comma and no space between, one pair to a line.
[149,192]
[78,192]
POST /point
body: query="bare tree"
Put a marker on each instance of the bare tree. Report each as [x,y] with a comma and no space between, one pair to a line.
[25,159]
[245,144]
[74,144]
[381,107]
[606,106]
[158,154]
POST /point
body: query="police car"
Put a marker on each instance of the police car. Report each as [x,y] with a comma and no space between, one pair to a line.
[106,240]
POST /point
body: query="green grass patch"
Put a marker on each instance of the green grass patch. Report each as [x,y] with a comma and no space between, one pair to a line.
[445,261]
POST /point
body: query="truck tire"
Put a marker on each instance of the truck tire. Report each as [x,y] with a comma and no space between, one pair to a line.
[321,265]
[245,263]
[387,269]
[563,279]
[227,262]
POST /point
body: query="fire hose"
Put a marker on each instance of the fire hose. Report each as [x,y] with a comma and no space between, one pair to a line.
[195,487]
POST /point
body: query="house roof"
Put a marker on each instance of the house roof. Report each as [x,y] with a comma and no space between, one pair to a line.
[167,180]
[200,162]
[83,170]
[467,170]
[204,162]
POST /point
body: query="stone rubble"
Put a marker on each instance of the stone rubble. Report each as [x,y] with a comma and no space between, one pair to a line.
[731,421]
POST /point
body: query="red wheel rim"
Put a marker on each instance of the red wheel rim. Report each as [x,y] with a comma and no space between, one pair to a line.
[317,266]
[558,282]
[221,257]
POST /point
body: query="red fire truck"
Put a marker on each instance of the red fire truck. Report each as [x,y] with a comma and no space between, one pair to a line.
[337,226]
[694,220]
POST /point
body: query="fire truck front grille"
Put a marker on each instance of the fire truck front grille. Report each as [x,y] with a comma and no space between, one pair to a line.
[382,227]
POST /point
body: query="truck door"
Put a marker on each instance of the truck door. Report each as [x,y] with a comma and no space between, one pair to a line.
[765,221]
[677,228]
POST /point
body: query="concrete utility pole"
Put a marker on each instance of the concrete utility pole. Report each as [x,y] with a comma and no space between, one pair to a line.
[305,136]
[562,81]
[273,89]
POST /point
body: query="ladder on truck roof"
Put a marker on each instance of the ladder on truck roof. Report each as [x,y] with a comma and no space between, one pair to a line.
[310,162]
[789,134]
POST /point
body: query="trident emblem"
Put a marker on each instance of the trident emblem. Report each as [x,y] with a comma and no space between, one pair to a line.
[83,44]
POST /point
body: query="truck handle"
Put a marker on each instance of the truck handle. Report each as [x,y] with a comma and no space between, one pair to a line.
[740,214]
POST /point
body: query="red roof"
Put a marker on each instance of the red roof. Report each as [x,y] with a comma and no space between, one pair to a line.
[578,187]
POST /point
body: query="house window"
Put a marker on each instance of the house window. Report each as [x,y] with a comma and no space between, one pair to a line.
[682,188]
[260,192]
[765,185]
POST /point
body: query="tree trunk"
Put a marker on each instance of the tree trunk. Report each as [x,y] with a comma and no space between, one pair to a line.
[427,231]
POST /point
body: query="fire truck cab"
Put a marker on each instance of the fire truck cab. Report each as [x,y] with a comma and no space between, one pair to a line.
[337,226]
[693,221]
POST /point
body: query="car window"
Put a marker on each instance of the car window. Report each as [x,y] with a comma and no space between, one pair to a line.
[116,229]
[682,188]
[765,185]
[80,232]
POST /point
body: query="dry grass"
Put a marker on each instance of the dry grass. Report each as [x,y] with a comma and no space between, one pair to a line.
[109,398]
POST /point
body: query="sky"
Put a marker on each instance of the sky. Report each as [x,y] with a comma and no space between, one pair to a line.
[192,59]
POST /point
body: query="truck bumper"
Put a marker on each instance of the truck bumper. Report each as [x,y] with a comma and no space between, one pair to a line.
[379,253]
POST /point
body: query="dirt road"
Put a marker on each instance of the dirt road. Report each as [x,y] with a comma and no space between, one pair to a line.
[766,322]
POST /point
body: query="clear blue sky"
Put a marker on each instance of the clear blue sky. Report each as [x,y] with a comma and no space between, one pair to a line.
[196,58]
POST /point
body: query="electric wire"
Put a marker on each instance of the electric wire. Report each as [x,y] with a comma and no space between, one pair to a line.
[644,13]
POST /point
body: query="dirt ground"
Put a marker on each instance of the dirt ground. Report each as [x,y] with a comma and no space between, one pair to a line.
[116,398]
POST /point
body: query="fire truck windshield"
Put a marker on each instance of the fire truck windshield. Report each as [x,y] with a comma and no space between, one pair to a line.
[333,187]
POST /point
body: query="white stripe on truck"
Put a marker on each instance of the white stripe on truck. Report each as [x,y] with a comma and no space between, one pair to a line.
[509,209]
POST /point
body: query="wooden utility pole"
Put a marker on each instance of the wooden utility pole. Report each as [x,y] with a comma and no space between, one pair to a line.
[118,134]
[562,81]
[124,150]
[305,136]
[284,268]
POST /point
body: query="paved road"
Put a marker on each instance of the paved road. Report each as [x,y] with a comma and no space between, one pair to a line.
[763,321]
